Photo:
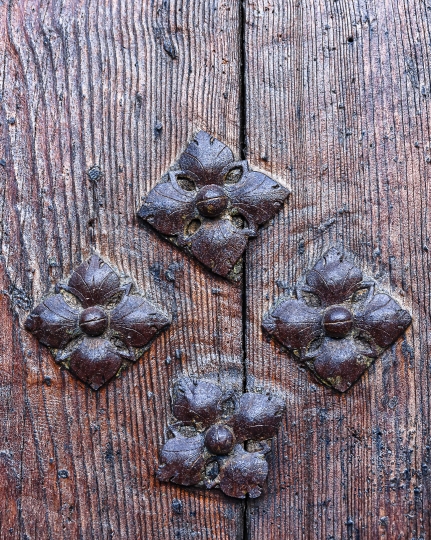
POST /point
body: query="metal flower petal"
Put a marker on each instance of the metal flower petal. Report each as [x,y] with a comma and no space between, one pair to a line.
[168,207]
[340,362]
[206,158]
[294,323]
[219,245]
[182,460]
[383,320]
[137,320]
[257,197]
[243,474]
[94,282]
[53,322]
[333,279]
[95,361]
[258,417]
[197,401]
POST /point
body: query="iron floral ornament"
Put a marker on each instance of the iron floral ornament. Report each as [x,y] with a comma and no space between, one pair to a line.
[95,325]
[337,324]
[210,205]
[207,446]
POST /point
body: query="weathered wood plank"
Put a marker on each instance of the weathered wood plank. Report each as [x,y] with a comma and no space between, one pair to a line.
[121,86]
[338,107]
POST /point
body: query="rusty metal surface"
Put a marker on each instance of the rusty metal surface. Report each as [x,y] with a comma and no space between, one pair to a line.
[336,323]
[212,425]
[210,204]
[95,325]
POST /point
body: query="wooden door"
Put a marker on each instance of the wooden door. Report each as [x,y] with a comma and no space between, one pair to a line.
[98,99]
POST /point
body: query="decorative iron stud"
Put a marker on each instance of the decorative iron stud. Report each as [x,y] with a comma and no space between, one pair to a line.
[212,424]
[336,323]
[210,204]
[96,325]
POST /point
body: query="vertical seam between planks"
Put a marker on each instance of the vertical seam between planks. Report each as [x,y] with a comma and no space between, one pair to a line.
[243,155]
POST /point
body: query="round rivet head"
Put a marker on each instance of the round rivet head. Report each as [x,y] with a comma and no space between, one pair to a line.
[219,440]
[337,321]
[211,201]
[93,321]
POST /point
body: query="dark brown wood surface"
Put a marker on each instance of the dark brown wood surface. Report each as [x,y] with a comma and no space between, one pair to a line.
[338,107]
[121,86]
[333,101]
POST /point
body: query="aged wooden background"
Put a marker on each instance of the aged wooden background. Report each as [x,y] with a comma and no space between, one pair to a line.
[330,97]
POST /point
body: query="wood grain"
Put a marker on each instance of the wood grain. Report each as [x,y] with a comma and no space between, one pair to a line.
[119,88]
[338,106]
